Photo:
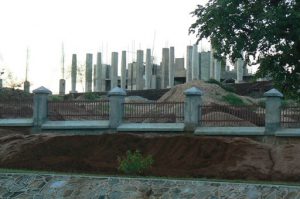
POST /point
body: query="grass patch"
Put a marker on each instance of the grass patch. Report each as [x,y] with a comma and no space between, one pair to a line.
[232,99]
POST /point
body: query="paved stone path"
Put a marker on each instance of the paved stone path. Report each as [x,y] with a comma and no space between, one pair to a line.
[38,186]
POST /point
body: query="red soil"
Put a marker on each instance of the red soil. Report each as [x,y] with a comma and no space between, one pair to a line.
[176,156]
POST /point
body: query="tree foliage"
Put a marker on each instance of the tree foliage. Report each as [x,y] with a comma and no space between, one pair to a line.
[266,31]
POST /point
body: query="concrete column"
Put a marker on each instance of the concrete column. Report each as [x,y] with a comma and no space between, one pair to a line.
[103,77]
[62,86]
[171,67]
[88,72]
[195,63]
[123,70]
[217,67]
[205,66]
[94,77]
[192,111]
[116,100]
[165,68]
[74,73]
[1,85]
[188,63]
[98,73]
[139,70]
[40,106]
[273,111]
[212,65]
[130,76]
[154,82]
[114,70]
[148,70]
[27,87]
[239,70]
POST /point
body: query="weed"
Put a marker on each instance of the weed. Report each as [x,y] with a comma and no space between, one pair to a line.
[233,99]
[134,163]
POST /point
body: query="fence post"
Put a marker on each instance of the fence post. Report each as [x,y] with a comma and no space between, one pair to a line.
[273,111]
[40,108]
[116,100]
[192,111]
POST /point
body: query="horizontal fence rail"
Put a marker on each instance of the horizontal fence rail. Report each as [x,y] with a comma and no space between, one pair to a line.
[78,110]
[154,112]
[290,117]
[228,115]
[16,109]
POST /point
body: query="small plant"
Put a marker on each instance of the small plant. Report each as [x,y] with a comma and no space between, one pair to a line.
[91,96]
[233,99]
[56,98]
[224,86]
[134,163]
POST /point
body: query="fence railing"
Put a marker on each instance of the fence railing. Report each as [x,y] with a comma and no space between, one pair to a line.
[78,110]
[16,109]
[290,116]
[154,112]
[228,115]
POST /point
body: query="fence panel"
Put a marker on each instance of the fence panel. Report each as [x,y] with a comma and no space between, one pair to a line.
[290,117]
[228,115]
[78,110]
[154,112]
[16,109]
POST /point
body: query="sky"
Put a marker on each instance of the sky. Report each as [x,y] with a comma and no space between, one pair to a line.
[87,26]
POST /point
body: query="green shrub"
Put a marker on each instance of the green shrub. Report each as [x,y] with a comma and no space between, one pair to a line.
[233,99]
[134,163]
[224,86]
[56,98]
[90,96]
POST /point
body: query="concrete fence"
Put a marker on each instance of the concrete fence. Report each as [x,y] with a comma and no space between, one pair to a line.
[192,109]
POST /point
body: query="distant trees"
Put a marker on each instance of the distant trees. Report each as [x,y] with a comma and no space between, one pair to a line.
[264,32]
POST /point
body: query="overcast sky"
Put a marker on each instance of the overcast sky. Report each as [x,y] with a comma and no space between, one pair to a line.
[87,26]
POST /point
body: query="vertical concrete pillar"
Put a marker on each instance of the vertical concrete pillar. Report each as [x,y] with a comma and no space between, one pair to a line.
[27,87]
[103,77]
[205,66]
[40,106]
[192,109]
[74,73]
[62,86]
[273,111]
[171,67]
[116,100]
[188,63]
[139,70]
[195,63]
[88,72]
[217,67]
[239,70]
[114,70]
[165,68]
[1,85]
[148,70]
[212,65]
[94,77]
[98,73]
[123,70]
[130,76]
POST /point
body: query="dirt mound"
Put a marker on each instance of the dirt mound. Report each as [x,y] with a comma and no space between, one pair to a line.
[213,93]
[176,156]
[215,118]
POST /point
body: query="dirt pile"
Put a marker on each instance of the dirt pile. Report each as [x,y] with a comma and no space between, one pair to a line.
[176,155]
[213,93]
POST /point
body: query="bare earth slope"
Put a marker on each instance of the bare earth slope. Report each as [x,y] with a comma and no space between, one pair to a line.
[174,155]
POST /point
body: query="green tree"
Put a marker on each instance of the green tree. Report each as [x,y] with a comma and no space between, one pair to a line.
[266,31]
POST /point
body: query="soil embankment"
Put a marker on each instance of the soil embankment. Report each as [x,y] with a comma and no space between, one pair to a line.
[174,155]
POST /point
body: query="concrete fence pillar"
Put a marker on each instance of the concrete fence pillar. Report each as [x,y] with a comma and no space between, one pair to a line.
[116,100]
[40,106]
[192,111]
[273,110]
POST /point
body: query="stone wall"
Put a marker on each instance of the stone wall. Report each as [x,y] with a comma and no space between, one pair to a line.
[73,186]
